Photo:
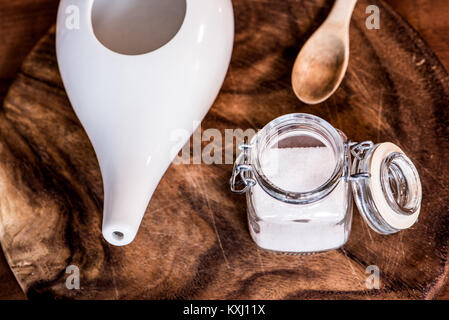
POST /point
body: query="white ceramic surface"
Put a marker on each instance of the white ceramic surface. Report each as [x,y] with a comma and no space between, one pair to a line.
[130,105]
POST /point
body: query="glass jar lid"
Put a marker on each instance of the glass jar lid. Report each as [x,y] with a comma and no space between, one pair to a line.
[390,199]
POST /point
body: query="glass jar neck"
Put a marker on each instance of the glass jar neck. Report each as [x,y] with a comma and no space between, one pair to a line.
[278,132]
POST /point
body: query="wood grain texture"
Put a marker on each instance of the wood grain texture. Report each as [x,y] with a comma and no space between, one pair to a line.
[9,289]
[431,19]
[195,243]
[22,24]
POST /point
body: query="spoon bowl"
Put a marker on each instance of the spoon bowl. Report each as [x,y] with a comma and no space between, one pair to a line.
[322,62]
[319,68]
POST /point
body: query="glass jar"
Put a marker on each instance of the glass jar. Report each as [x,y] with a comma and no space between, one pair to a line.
[300,174]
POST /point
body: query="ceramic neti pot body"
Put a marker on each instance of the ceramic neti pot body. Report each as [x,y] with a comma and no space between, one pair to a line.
[132,103]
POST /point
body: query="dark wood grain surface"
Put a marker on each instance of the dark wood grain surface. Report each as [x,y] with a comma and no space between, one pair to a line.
[22,24]
[226,260]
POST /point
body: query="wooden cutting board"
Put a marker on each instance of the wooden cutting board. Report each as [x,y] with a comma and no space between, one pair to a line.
[194,241]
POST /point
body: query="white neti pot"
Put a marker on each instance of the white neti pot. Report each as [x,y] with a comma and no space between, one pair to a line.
[136,72]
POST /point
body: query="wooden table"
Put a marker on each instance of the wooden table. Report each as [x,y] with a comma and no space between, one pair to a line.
[23,22]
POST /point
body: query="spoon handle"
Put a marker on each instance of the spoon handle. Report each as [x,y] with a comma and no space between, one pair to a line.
[341,12]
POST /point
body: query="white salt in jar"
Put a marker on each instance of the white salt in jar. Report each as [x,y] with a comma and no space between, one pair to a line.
[299,179]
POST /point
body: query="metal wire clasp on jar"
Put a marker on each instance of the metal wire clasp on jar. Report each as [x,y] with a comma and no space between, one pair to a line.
[299,174]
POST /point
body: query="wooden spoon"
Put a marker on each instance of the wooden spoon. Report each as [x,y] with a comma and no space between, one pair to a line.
[322,62]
